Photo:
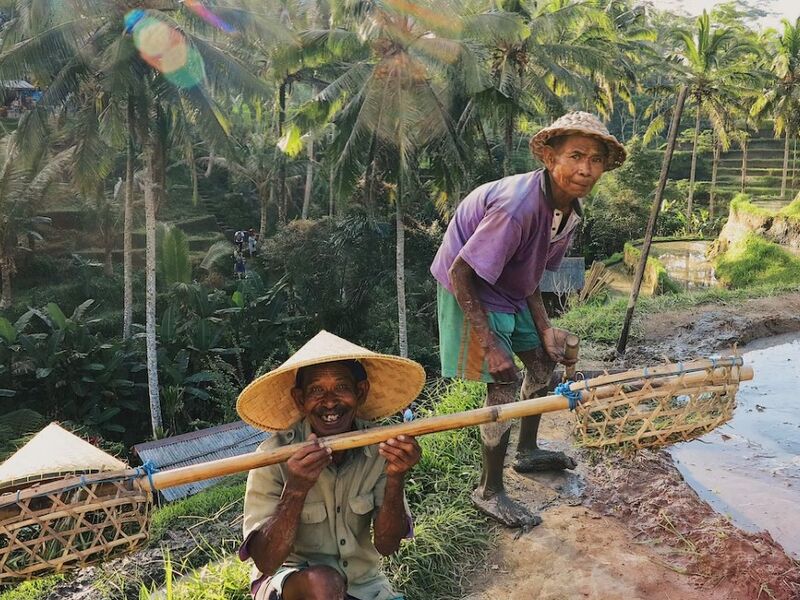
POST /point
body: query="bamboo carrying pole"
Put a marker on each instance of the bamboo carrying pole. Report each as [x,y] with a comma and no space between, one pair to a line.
[598,387]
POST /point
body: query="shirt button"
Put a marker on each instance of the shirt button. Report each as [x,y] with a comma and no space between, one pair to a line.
[338,509]
[344,563]
[341,542]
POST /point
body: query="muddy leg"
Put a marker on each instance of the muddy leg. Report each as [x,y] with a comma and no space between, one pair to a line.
[531,458]
[490,495]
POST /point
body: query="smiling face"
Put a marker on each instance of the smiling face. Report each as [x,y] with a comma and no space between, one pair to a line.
[575,163]
[330,396]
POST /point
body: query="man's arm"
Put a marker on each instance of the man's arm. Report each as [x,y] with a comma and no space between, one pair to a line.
[462,279]
[391,523]
[270,544]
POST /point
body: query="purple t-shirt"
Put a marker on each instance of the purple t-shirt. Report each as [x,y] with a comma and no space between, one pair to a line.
[502,230]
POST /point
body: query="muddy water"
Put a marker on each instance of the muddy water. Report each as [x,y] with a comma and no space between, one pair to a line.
[749,469]
[686,263]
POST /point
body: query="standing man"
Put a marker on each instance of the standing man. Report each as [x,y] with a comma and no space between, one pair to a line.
[502,238]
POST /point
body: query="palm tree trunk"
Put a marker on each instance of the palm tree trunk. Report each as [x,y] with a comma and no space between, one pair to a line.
[400,266]
[714,168]
[150,194]
[263,200]
[5,295]
[127,235]
[331,195]
[744,165]
[508,139]
[281,156]
[309,180]
[694,165]
[785,163]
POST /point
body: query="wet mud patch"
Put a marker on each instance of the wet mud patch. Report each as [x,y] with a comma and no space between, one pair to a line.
[649,495]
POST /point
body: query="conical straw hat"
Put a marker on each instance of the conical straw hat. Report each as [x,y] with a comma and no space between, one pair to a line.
[54,452]
[394,383]
[580,123]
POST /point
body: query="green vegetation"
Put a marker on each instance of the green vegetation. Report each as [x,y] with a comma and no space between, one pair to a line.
[742,204]
[183,513]
[36,589]
[754,261]
[791,211]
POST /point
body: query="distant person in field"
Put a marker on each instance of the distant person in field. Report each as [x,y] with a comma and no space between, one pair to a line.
[252,242]
[239,266]
[502,238]
[316,526]
[238,239]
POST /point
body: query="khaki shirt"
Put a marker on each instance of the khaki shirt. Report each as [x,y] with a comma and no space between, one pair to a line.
[336,519]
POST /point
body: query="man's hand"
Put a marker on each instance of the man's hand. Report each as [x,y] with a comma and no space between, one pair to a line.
[401,453]
[306,465]
[501,366]
[554,342]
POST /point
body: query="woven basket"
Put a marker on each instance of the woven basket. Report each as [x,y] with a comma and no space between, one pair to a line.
[51,527]
[657,413]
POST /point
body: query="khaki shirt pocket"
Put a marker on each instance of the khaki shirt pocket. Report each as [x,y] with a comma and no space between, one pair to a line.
[361,508]
[313,526]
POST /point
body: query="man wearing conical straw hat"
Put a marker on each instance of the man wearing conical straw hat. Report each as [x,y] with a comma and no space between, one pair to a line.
[502,238]
[317,525]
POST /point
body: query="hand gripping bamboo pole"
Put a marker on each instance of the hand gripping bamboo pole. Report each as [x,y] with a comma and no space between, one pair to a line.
[598,387]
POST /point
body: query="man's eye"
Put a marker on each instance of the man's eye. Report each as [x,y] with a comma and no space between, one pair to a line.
[315,390]
[341,387]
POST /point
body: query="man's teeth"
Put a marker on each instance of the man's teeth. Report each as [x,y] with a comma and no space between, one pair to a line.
[330,418]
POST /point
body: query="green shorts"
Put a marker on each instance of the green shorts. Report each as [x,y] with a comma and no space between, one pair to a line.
[461,354]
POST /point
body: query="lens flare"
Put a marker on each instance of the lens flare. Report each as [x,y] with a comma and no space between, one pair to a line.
[165,49]
[209,17]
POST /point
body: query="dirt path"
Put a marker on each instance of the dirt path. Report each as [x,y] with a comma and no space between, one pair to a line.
[630,527]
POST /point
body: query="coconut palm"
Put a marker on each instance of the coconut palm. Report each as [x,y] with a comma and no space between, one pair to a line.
[388,103]
[65,53]
[782,98]
[713,68]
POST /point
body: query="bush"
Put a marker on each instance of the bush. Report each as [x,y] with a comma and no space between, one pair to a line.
[756,261]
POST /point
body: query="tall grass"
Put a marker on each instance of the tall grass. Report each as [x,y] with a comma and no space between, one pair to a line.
[36,589]
[756,261]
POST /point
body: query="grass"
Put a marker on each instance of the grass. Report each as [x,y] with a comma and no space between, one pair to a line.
[36,589]
[791,211]
[741,204]
[207,504]
[656,277]
[756,261]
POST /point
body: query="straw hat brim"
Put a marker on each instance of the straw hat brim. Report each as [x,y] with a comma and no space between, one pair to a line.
[616,151]
[395,382]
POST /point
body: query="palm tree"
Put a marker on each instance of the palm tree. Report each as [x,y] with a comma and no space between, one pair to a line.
[19,194]
[782,99]
[65,52]
[388,104]
[711,62]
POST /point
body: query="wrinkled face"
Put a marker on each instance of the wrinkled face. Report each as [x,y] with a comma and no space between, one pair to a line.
[575,164]
[329,398]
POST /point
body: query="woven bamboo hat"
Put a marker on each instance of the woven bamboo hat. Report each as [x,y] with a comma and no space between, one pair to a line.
[580,123]
[394,382]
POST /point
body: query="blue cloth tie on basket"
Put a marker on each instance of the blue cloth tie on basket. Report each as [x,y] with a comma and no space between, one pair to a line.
[563,389]
[148,468]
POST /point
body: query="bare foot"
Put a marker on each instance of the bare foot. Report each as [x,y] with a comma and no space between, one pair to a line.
[531,461]
[503,509]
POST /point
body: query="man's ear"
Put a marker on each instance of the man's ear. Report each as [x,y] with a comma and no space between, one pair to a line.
[297,396]
[362,389]
[549,157]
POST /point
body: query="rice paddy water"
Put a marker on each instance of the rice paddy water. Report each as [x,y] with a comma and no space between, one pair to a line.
[749,469]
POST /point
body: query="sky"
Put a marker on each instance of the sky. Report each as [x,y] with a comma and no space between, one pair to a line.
[789,9]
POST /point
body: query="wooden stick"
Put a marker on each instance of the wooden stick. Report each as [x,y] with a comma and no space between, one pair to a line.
[651,223]
[504,412]
[571,352]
